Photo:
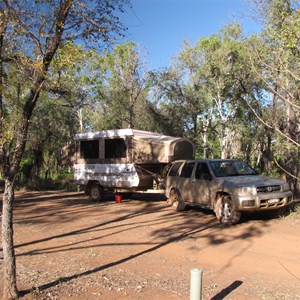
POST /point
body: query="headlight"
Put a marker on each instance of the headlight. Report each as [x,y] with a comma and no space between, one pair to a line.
[244,191]
[285,187]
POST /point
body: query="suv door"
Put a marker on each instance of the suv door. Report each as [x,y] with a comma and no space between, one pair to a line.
[199,187]
[184,180]
[172,176]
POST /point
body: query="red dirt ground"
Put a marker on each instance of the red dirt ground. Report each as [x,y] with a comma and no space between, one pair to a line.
[70,248]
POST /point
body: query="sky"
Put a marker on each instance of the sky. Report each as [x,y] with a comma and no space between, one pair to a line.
[160,26]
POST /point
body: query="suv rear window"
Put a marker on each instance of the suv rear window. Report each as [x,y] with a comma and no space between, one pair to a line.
[174,169]
[187,170]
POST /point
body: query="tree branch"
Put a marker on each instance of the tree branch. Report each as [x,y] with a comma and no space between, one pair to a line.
[270,126]
[285,171]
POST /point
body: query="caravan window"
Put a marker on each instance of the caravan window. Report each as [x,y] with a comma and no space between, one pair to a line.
[89,149]
[115,148]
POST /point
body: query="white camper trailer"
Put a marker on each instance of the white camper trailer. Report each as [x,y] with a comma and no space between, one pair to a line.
[125,160]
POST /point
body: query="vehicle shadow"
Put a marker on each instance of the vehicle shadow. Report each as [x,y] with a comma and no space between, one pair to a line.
[120,261]
[193,223]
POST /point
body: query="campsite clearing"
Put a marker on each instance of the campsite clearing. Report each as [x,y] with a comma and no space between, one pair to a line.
[70,248]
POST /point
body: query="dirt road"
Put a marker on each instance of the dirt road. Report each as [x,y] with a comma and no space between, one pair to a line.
[68,247]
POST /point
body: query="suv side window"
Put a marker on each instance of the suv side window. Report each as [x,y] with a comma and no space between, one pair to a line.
[187,170]
[202,172]
[174,169]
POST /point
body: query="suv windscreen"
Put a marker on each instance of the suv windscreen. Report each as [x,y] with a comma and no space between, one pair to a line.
[231,168]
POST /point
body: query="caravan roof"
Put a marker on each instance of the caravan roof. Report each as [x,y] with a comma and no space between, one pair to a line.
[146,146]
[145,135]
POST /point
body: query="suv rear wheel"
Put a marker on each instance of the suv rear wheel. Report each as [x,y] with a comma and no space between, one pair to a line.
[176,200]
[225,211]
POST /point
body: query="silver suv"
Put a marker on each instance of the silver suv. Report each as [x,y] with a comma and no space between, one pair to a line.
[228,187]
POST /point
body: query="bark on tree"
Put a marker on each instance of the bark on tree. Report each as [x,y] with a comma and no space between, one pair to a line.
[10,290]
[9,263]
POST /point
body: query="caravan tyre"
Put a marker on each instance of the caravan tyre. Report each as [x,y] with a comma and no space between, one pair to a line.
[96,192]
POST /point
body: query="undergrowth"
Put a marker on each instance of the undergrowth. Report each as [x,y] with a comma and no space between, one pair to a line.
[295,212]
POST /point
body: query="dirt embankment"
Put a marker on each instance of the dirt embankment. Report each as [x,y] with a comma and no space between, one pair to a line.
[68,247]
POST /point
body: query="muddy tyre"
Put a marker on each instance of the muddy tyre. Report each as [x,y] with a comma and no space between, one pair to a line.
[96,192]
[176,200]
[226,212]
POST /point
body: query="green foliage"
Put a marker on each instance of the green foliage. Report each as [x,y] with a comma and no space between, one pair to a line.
[120,85]
[294,212]
[233,96]
[64,179]
[39,60]
[279,68]
[25,168]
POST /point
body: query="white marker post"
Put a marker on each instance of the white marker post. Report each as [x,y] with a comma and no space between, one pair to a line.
[196,284]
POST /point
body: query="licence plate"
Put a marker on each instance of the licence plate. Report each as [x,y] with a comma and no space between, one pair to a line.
[273,201]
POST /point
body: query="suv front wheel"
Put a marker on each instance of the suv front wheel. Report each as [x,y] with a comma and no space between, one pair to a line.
[225,211]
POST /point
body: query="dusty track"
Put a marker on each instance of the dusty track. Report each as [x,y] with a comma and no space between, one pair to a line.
[68,247]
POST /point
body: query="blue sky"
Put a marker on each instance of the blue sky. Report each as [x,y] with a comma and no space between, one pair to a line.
[160,26]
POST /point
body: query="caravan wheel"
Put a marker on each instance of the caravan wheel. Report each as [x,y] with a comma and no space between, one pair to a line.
[96,192]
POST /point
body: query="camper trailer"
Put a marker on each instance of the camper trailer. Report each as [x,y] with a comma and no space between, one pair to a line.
[125,160]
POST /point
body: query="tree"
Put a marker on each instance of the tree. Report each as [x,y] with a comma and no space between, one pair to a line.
[276,61]
[182,93]
[169,89]
[121,85]
[225,68]
[202,91]
[54,121]
[30,35]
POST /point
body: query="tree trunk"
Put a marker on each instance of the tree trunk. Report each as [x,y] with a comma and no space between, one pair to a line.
[224,141]
[37,165]
[9,262]
[205,143]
